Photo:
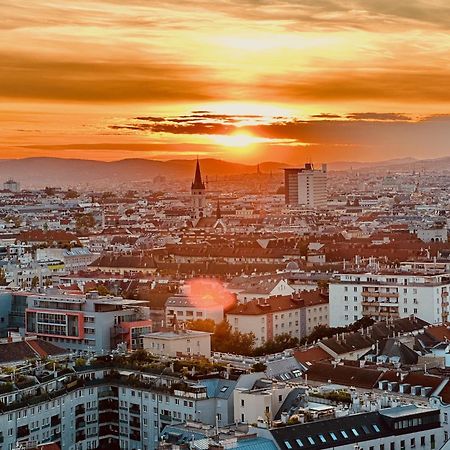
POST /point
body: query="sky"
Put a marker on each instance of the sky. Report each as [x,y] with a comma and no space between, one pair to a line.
[240,80]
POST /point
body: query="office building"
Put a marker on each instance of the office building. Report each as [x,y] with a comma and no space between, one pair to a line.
[306,186]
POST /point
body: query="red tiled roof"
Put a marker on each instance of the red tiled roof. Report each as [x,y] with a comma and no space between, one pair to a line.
[311,355]
[439,332]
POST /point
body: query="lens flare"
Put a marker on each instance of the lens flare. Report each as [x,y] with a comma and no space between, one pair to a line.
[209,293]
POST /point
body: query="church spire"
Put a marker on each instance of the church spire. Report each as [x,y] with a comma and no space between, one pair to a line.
[198,182]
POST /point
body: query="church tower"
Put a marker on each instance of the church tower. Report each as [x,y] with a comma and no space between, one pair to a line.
[198,194]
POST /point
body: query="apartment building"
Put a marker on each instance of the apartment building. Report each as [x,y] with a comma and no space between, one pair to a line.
[386,296]
[81,323]
[399,428]
[306,186]
[178,342]
[295,315]
[184,308]
[109,409]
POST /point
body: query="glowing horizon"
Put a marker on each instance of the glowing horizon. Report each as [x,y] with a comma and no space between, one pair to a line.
[230,80]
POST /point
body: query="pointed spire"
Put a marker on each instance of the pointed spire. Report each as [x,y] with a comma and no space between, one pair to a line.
[198,182]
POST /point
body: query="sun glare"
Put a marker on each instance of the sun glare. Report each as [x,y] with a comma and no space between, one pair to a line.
[238,139]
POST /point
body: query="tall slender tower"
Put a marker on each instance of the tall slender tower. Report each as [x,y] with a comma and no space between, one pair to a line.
[198,194]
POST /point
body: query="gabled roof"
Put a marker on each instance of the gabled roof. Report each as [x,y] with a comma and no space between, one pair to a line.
[344,375]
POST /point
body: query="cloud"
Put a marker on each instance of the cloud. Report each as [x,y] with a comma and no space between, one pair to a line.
[378,116]
[31,77]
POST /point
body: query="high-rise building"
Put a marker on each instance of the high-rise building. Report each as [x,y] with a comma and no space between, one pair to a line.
[306,186]
[12,186]
[198,194]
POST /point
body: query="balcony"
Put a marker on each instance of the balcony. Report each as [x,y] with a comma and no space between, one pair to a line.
[135,409]
[79,410]
[106,417]
[80,437]
[377,294]
[80,422]
[135,423]
[165,418]
[109,430]
[23,431]
[108,404]
[134,436]
[55,420]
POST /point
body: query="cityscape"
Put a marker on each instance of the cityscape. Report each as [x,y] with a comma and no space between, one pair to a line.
[225,225]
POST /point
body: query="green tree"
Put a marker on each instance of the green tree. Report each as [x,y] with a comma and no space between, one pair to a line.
[84,221]
[49,191]
[34,282]
[207,325]
[71,194]
[3,281]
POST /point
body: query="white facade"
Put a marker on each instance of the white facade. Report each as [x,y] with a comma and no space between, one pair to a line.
[176,343]
[306,186]
[388,296]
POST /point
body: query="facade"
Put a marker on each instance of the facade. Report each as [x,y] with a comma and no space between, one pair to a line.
[12,186]
[306,186]
[176,343]
[198,194]
[399,428]
[79,323]
[388,296]
[259,402]
[267,319]
[95,410]
[296,315]
[182,308]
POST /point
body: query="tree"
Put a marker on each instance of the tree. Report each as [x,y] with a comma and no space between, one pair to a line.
[71,194]
[102,289]
[259,367]
[49,191]
[278,344]
[34,282]
[3,281]
[84,221]
[207,325]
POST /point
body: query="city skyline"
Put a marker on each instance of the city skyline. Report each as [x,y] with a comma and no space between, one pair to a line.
[238,81]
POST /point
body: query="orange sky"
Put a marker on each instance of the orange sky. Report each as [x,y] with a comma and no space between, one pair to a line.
[243,80]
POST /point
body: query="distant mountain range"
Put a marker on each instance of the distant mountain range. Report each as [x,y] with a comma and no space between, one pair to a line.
[38,172]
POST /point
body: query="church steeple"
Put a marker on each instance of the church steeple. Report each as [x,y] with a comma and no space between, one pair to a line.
[198,182]
[198,194]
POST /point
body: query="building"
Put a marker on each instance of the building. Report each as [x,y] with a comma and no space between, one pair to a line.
[386,296]
[402,427]
[293,315]
[177,343]
[198,194]
[261,401]
[105,408]
[12,186]
[306,186]
[184,308]
[80,323]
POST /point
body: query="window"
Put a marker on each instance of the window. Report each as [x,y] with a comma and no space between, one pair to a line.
[333,436]
[299,442]
[287,444]
[311,440]
[422,441]
[322,438]
[413,443]
[344,434]
[376,428]
[355,432]
[392,445]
